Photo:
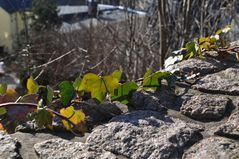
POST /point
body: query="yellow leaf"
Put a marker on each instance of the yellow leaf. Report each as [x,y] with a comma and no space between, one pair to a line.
[77,117]
[111,83]
[32,86]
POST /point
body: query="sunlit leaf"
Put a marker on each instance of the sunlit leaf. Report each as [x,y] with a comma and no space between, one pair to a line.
[3,88]
[32,86]
[124,92]
[77,83]
[191,49]
[117,74]
[77,117]
[67,92]
[148,73]
[111,83]
[153,81]
[3,111]
[224,30]
[98,86]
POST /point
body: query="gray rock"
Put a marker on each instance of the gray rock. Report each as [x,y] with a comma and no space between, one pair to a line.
[205,107]
[213,148]
[156,101]
[144,134]
[100,113]
[226,82]
[9,147]
[231,127]
[64,149]
[27,141]
[197,65]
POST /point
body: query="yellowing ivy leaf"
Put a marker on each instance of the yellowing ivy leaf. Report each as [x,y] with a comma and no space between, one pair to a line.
[77,117]
[224,30]
[32,86]
[117,74]
[98,86]
[111,83]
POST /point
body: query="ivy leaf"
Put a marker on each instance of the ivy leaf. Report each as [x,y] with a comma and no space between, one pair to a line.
[98,86]
[124,92]
[3,88]
[111,83]
[93,84]
[50,94]
[191,49]
[77,117]
[46,93]
[147,74]
[77,83]
[3,111]
[153,81]
[32,86]
[117,74]
[67,92]
[224,30]
[43,117]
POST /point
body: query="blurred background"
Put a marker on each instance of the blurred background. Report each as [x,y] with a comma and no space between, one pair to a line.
[57,40]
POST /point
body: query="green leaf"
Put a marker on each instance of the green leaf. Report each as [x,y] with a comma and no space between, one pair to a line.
[77,117]
[124,92]
[46,93]
[117,74]
[3,111]
[95,85]
[153,81]
[191,48]
[50,94]
[32,86]
[111,83]
[3,88]
[147,74]
[43,117]
[98,86]
[67,92]
[77,83]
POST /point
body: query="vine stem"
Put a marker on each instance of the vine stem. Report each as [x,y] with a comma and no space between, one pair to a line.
[33,105]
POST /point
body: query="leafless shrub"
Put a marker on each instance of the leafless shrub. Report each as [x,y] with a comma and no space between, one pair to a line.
[132,44]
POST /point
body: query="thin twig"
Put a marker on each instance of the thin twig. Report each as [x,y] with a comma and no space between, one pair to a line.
[56,59]
[103,59]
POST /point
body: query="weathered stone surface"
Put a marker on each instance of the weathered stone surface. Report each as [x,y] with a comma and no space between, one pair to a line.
[197,65]
[144,134]
[8,147]
[100,113]
[231,127]
[60,149]
[205,107]
[158,101]
[27,141]
[213,148]
[226,82]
